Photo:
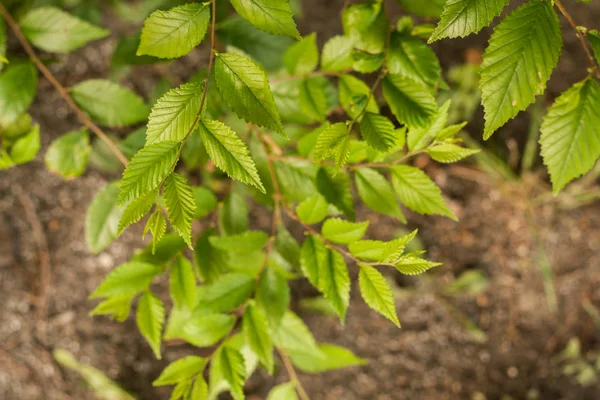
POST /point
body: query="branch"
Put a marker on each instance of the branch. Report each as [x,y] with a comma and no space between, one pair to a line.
[292,373]
[82,116]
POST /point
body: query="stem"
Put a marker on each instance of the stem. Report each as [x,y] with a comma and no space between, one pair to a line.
[310,75]
[82,116]
[292,373]
[584,43]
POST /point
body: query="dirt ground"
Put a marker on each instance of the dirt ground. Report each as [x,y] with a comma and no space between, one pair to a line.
[46,274]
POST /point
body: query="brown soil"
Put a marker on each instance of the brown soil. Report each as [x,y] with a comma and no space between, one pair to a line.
[433,356]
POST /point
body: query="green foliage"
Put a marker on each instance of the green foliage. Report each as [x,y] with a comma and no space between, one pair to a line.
[311,134]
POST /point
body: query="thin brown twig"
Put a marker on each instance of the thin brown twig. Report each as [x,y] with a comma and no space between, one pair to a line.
[293,375]
[82,116]
[584,43]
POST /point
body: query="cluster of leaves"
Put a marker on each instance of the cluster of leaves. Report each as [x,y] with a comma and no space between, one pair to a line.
[304,131]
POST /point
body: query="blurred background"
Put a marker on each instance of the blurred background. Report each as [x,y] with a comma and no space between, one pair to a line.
[514,312]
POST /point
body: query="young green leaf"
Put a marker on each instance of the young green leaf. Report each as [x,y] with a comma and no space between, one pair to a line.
[150,318]
[271,16]
[163,251]
[312,255]
[136,210]
[174,114]
[18,85]
[329,141]
[157,226]
[199,389]
[430,8]
[292,335]
[463,17]
[366,24]
[117,307]
[409,57]
[418,192]
[181,390]
[227,292]
[331,357]
[147,170]
[377,193]
[420,138]
[206,201]
[229,152]
[449,153]
[102,218]
[180,370]
[337,54]
[230,364]
[351,90]
[285,391]
[518,62]
[410,101]
[233,215]
[25,148]
[182,283]
[56,31]
[313,100]
[379,132]
[273,295]
[68,155]
[312,210]
[377,293]
[174,33]
[334,282]
[242,243]
[594,39]
[302,57]
[569,139]
[127,279]
[206,330]
[257,335]
[338,230]
[414,265]
[109,104]
[181,205]
[368,250]
[335,187]
[211,262]
[245,88]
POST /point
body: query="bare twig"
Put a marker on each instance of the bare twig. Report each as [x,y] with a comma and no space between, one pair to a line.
[292,373]
[82,116]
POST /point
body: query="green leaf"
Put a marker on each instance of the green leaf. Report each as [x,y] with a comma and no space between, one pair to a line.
[164,251]
[340,231]
[199,389]
[18,85]
[56,31]
[350,89]
[292,335]
[420,138]
[271,16]
[109,104]
[332,357]
[313,100]
[377,293]
[518,61]
[206,201]
[227,292]
[594,39]
[210,262]
[174,33]
[414,265]
[409,57]
[312,210]
[257,335]
[418,192]
[157,226]
[127,279]
[285,391]
[147,170]
[334,282]
[463,17]
[329,140]
[312,255]
[379,132]
[449,153]
[181,390]
[302,57]
[150,318]
[136,210]
[180,370]
[430,8]
[242,243]
[229,152]
[117,307]
[287,247]
[68,155]
[377,193]
[337,54]
[410,101]
[366,24]
[3,38]
[181,205]
[300,176]
[233,216]
[207,330]
[569,139]
[25,148]
[273,295]
[182,283]
[230,364]
[335,187]
[366,63]
[174,115]
[102,218]
[245,88]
